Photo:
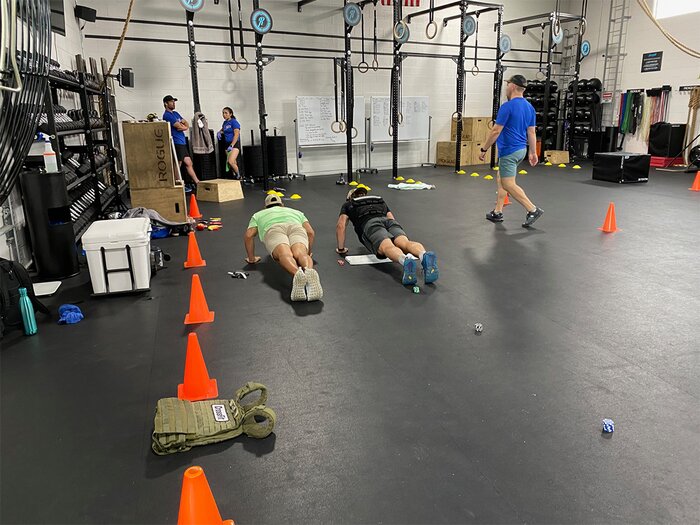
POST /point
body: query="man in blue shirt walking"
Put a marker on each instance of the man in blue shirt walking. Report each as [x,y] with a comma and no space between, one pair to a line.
[514,133]
[178,126]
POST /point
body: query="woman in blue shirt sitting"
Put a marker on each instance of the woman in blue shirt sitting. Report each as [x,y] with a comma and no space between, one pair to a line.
[230,134]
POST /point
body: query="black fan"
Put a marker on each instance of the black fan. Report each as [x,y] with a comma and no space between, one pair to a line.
[694,156]
[25,48]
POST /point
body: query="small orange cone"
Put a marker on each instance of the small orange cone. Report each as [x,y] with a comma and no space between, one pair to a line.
[194,258]
[696,183]
[197,384]
[199,310]
[197,504]
[507,201]
[610,224]
[194,208]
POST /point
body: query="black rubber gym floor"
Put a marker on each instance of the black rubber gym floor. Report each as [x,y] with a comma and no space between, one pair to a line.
[390,408]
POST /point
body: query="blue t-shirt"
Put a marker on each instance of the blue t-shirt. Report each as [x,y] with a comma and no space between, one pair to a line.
[173,117]
[229,126]
[515,116]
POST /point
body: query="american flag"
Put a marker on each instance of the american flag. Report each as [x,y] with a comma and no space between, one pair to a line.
[406,3]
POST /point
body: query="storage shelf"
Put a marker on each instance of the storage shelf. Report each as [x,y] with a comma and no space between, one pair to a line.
[78,182]
[63,83]
[69,132]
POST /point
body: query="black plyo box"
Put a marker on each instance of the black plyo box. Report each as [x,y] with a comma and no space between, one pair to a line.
[621,167]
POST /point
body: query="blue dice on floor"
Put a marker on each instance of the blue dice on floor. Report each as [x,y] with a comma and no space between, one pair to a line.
[608,426]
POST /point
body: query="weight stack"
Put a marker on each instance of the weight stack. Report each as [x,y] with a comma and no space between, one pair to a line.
[277,156]
[253,162]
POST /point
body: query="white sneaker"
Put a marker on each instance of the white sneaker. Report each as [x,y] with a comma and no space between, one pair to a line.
[299,286]
[314,291]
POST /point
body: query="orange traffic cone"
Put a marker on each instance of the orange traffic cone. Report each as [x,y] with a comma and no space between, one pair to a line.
[696,183]
[197,504]
[610,224]
[194,258]
[197,384]
[507,201]
[199,310]
[194,208]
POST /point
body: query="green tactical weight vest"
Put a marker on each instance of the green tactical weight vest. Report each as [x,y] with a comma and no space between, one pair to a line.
[180,425]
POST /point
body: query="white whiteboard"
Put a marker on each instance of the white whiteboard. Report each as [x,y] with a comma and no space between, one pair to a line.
[315,116]
[416,118]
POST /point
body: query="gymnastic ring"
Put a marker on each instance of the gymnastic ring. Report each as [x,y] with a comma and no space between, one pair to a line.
[241,61]
[490,124]
[475,70]
[375,65]
[400,118]
[427,31]
[231,68]
[398,24]
[343,126]
[334,129]
[354,130]
[456,116]
[556,26]
[582,28]
[537,75]
[391,131]
[363,67]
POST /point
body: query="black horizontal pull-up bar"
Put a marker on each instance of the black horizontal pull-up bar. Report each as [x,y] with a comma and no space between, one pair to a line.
[563,19]
[302,3]
[428,11]
[548,16]
[478,12]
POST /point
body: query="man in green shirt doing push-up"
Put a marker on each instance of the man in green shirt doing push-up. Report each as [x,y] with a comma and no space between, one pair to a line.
[289,237]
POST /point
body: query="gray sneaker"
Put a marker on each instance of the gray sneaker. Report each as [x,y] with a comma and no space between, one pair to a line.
[299,286]
[314,291]
[532,216]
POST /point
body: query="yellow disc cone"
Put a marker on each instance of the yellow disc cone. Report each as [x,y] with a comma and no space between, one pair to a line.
[562,166]
[522,172]
[475,174]
[410,181]
[461,172]
[495,169]
[575,167]
[547,163]
[295,197]
[353,183]
[400,178]
[488,177]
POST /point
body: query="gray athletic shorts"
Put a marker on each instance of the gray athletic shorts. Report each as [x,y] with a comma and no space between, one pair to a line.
[378,229]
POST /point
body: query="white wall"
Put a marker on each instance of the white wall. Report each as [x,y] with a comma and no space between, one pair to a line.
[162,69]
[677,68]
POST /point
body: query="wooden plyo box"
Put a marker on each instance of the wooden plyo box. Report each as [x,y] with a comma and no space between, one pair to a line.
[447,151]
[476,151]
[556,156]
[149,155]
[473,128]
[169,202]
[219,190]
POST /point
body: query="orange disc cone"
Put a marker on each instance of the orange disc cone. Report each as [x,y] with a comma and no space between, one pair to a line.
[197,505]
[610,224]
[194,208]
[194,258]
[507,201]
[197,384]
[696,183]
[199,310]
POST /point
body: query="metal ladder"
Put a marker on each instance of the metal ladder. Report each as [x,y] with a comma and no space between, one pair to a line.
[615,53]
[569,54]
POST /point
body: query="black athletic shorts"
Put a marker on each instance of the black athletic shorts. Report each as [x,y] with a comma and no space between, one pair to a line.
[182,151]
[377,229]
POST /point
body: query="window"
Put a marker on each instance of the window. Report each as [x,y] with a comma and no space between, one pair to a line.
[669,8]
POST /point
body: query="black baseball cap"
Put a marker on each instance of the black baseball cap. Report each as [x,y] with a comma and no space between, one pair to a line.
[168,98]
[518,80]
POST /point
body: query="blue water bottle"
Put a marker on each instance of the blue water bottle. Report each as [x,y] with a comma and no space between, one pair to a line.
[27,308]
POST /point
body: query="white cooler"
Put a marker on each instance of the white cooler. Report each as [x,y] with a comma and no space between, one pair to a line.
[119,255]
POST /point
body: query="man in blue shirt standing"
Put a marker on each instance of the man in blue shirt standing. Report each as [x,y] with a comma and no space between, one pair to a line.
[178,126]
[514,133]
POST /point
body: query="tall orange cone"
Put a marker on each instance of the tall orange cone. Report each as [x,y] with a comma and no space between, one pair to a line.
[194,208]
[507,201]
[696,183]
[197,384]
[194,258]
[610,224]
[199,310]
[197,504]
